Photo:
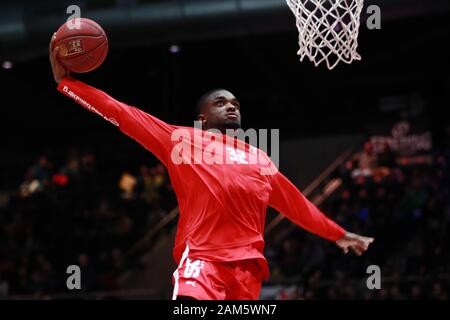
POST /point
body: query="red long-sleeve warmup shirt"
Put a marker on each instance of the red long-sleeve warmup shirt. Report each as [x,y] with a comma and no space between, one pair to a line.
[223,186]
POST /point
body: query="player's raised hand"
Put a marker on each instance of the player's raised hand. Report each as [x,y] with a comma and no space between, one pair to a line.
[59,72]
[357,243]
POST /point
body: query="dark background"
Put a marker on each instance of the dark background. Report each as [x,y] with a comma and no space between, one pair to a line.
[405,69]
[248,47]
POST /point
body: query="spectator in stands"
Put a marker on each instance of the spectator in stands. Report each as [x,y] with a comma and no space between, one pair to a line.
[367,159]
[37,178]
[41,171]
[386,158]
[89,275]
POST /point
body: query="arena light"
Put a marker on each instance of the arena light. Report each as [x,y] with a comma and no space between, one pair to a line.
[174,48]
[7,65]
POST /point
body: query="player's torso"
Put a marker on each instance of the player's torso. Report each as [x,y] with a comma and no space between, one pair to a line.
[221,184]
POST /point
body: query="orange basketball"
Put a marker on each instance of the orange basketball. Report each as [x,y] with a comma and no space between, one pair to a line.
[83,45]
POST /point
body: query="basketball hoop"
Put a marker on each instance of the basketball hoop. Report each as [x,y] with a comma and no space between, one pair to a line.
[328,30]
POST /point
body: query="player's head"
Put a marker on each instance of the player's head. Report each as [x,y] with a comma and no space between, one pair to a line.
[219,109]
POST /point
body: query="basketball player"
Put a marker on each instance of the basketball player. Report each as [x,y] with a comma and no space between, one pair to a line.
[219,242]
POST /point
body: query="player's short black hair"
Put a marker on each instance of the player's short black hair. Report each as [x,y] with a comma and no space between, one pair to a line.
[204,99]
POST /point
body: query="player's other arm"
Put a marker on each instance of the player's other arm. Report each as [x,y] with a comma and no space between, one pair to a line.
[152,133]
[287,199]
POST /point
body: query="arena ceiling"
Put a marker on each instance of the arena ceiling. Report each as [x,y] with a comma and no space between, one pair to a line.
[25,25]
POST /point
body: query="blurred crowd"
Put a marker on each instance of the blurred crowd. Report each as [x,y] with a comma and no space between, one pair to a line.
[402,201]
[68,215]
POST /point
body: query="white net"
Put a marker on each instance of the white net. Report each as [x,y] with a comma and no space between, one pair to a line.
[328,30]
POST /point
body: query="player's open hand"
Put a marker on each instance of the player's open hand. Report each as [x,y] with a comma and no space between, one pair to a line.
[357,243]
[59,72]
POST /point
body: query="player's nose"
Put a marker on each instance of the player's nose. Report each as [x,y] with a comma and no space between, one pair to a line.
[231,107]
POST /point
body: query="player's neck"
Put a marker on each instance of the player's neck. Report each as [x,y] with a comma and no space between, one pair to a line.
[225,129]
[229,131]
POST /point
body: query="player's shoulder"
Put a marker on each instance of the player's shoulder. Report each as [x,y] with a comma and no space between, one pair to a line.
[267,165]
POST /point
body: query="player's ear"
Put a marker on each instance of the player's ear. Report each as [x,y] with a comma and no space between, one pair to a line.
[202,118]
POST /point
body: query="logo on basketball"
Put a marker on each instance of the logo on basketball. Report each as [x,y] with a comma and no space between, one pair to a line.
[73,47]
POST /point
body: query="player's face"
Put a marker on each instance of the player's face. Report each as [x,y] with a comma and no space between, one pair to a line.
[222,111]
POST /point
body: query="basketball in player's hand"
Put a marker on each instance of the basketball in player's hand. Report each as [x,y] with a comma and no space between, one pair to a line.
[82,43]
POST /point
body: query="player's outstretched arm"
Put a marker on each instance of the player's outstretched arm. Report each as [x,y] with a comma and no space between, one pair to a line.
[287,199]
[152,133]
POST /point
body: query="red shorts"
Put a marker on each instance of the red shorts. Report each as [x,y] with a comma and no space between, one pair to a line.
[215,280]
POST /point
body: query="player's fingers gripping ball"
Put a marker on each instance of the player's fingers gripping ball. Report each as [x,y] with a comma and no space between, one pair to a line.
[82,43]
